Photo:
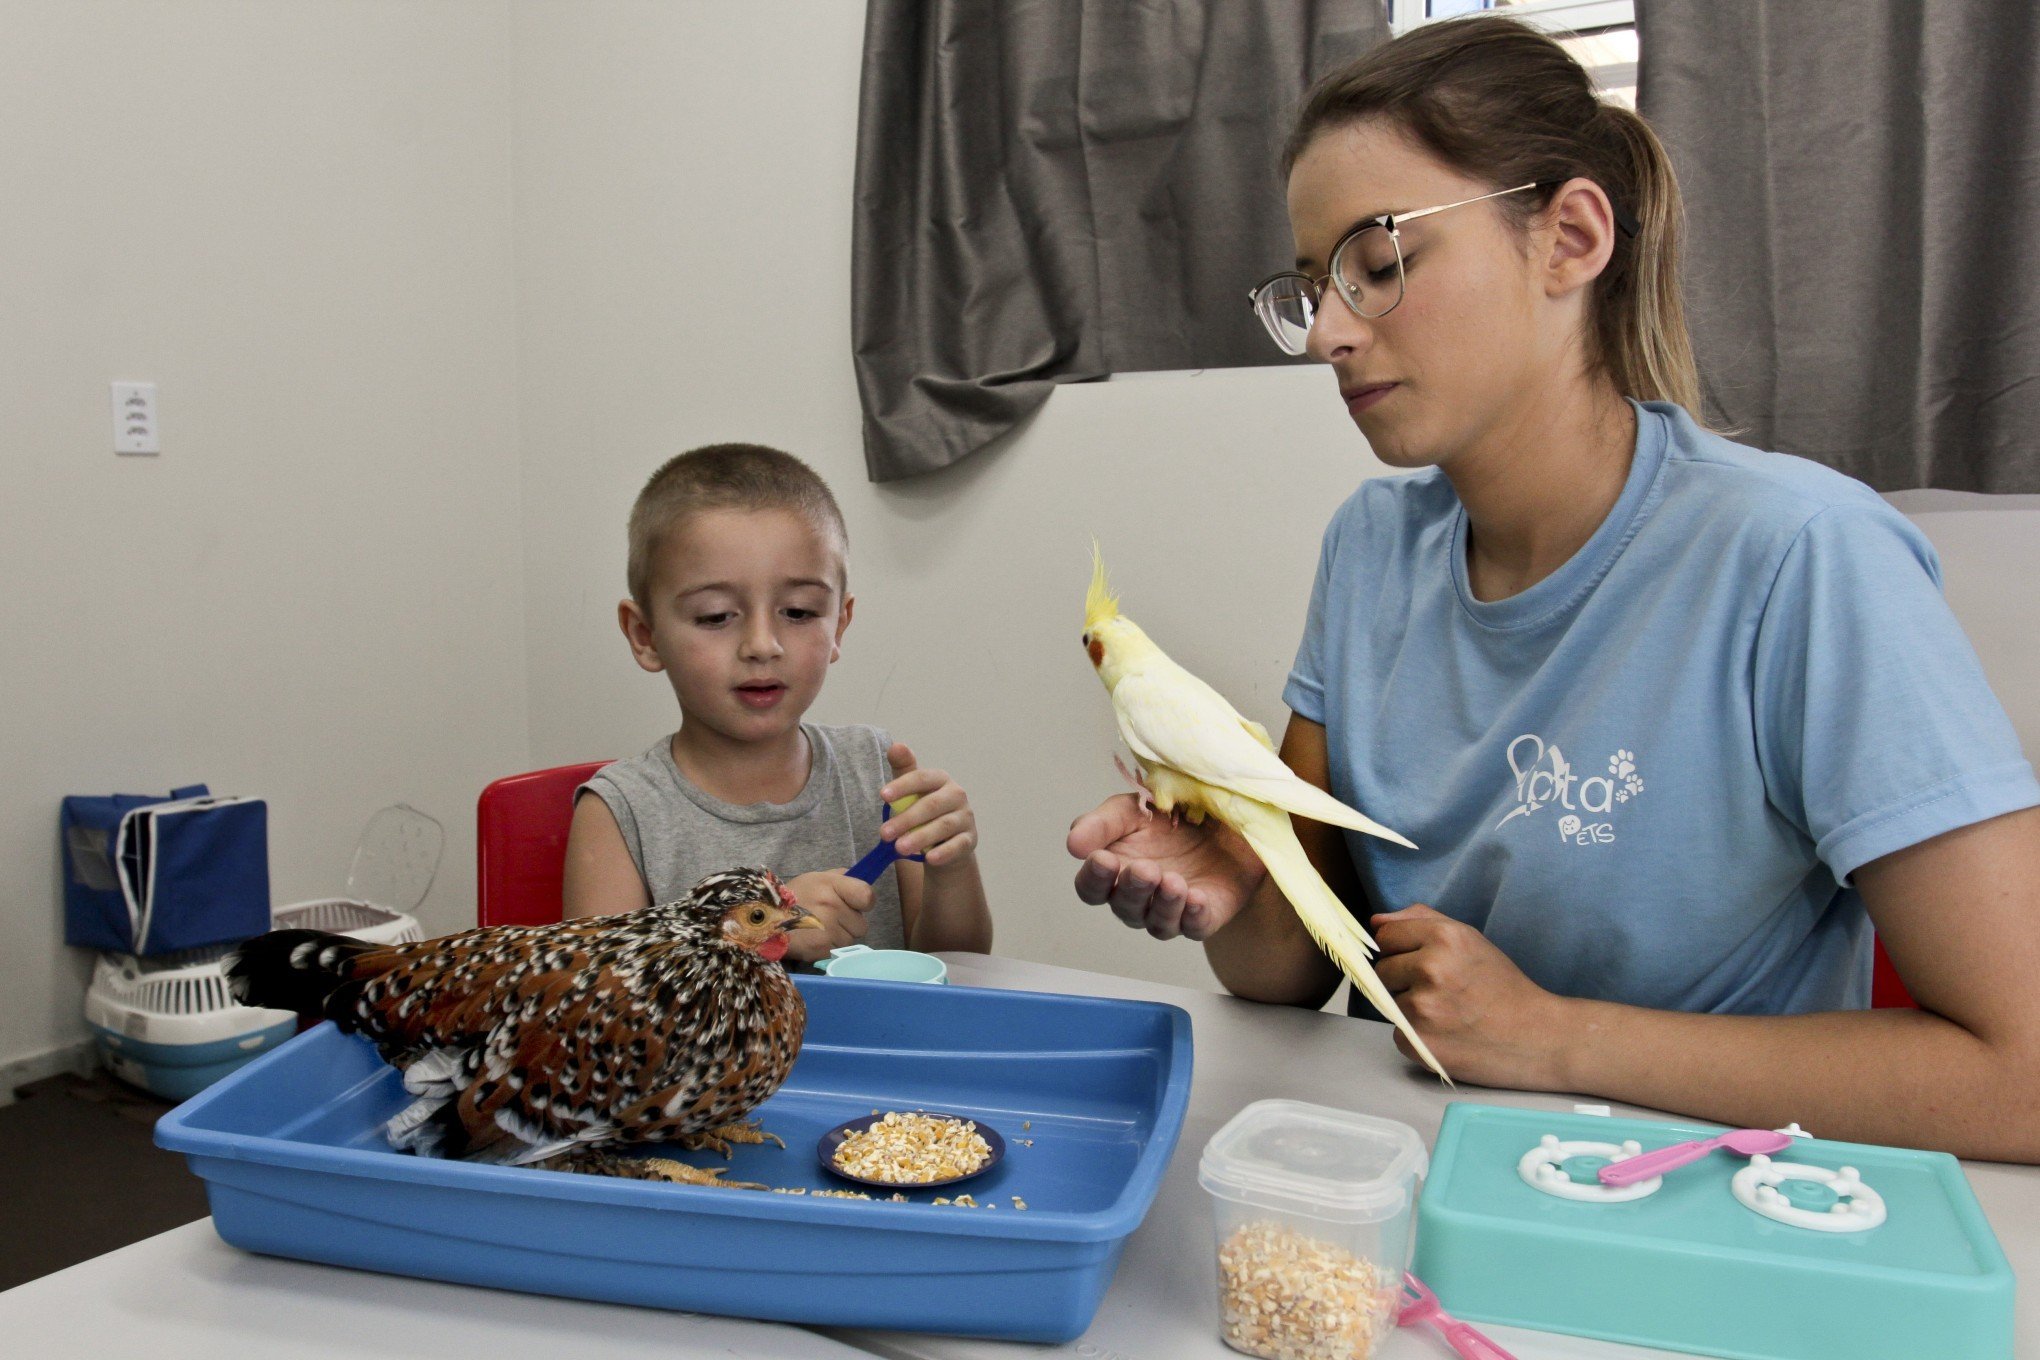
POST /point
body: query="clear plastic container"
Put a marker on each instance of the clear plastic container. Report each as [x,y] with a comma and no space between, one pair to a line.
[1313,1208]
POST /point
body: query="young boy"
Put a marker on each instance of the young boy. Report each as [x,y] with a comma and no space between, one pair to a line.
[738,593]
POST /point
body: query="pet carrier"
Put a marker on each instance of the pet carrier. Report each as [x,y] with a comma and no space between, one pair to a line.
[169,1024]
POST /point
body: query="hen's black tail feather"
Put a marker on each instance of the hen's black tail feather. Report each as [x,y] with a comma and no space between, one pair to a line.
[292,970]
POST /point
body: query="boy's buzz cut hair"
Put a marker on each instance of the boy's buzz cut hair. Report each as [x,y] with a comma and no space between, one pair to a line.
[725,477]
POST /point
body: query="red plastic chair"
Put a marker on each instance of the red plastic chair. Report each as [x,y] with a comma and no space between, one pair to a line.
[1886,991]
[521,825]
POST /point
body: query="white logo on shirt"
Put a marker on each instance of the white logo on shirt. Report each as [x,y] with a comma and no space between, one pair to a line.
[1544,777]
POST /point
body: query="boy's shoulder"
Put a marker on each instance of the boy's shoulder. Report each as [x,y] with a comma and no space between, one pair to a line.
[840,735]
[856,747]
[653,765]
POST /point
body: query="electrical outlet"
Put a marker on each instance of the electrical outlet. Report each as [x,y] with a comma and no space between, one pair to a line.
[134,418]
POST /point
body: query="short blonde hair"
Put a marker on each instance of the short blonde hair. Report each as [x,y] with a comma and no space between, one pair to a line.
[725,477]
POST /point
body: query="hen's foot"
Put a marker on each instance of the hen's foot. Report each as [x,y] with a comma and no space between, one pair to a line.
[666,1169]
[595,1162]
[719,1139]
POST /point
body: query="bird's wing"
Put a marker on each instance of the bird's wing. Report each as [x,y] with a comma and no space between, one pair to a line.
[714,1055]
[591,1041]
[1169,716]
[508,1024]
[444,992]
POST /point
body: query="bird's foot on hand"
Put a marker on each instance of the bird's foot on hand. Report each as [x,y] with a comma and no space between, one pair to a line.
[719,1139]
[666,1169]
[1140,788]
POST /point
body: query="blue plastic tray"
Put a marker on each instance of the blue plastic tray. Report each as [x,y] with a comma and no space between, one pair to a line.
[1690,1268]
[292,1153]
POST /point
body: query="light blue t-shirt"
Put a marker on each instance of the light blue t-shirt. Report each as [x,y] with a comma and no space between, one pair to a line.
[1648,777]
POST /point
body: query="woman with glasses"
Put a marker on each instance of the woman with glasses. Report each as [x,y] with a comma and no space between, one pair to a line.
[1674,722]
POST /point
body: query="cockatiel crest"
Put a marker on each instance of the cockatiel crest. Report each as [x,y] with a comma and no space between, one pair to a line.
[1200,757]
[521,1044]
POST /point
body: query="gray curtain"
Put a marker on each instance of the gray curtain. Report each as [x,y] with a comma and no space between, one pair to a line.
[1862,184]
[1055,190]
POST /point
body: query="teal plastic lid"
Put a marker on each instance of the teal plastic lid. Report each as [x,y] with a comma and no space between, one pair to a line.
[1316,1160]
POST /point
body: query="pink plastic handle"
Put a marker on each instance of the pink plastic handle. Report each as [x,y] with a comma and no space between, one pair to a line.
[1647,1164]
[1420,1306]
[1469,1344]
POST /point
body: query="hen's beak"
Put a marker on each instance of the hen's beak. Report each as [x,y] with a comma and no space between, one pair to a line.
[804,921]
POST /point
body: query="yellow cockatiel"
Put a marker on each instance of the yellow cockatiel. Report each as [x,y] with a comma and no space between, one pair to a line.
[1199,757]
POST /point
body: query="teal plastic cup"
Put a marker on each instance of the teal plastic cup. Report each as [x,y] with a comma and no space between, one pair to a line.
[883,965]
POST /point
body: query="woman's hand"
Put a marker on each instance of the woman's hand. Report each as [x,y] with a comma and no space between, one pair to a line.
[1166,879]
[1486,1022]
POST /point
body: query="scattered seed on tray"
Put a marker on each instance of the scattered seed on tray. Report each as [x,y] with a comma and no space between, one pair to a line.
[960,1202]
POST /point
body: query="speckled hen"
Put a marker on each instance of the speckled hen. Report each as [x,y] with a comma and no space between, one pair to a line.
[567,1045]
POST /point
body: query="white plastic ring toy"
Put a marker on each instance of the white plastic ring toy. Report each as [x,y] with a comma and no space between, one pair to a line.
[1543,1168]
[1844,1205]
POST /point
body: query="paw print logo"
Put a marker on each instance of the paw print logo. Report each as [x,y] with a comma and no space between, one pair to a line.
[1622,768]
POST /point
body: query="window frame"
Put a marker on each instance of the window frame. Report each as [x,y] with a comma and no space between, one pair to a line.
[1554,16]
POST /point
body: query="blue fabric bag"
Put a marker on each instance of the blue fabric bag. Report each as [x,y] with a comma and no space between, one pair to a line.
[151,876]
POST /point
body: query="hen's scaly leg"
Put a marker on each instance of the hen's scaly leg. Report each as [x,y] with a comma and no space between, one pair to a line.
[719,1140]
[595,1162]
[666,1169]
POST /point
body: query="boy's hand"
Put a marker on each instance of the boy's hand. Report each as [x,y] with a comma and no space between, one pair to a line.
[941,824]
[841,903]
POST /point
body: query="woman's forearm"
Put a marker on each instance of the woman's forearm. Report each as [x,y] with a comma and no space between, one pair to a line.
[1264,954]
[1900,1077]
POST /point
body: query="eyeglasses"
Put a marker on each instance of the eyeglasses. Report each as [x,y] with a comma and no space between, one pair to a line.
[1366,271]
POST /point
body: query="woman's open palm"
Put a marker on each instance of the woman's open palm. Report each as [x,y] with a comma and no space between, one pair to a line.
[1166,878]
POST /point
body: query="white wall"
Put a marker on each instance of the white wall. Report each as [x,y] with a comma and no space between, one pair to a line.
[1990,572]
[398,259]
[295,219]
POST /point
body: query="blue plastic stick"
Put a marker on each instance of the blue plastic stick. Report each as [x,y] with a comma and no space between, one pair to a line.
[879,857]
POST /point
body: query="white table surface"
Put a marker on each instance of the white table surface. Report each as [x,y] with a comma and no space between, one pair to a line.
[185,1293]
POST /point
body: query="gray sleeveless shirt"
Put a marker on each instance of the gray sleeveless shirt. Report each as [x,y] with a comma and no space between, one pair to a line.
[679,834]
